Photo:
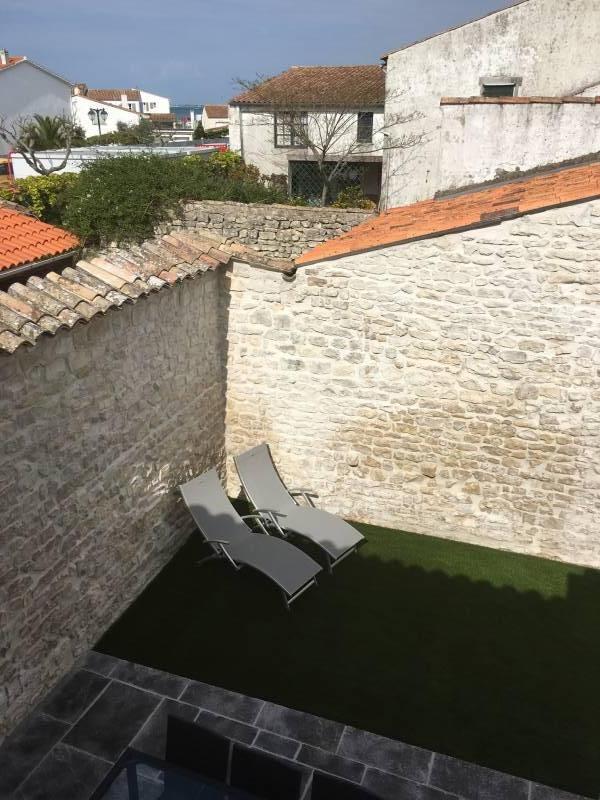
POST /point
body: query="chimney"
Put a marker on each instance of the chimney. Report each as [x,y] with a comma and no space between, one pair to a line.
[124,102]
[4,57]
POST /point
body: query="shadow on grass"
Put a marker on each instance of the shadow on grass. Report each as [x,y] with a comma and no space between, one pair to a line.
[484,655]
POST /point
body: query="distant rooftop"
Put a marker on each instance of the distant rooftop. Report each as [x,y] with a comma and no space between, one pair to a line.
[361,86]
[472,209]
[216,111]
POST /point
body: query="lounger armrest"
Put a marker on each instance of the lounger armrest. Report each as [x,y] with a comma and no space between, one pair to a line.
[259,519]
[221,544]
[306,494]
[216,541]
[271,515]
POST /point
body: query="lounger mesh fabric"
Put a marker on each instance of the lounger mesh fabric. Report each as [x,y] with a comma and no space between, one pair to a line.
[286,565]
[266,490]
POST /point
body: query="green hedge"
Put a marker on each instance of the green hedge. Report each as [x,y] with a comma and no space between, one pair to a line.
[123,198]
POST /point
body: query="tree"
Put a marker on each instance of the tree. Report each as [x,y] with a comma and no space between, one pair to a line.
[199,132]
[31,135]
[333,136]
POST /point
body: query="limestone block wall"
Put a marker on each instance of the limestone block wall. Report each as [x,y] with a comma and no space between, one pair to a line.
[274,230]
[449,386]
[98,426]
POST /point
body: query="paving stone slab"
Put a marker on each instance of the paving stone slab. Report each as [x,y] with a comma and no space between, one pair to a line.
[76,692]
[101,663]
[151,679]
[278,745]
[328,762]
[385,754]
[539,792]
[65,773]
[110,724]
[23,750]
[307,728]
[222,701]
[393,787]
[246,734]
[152,738]
[475,782]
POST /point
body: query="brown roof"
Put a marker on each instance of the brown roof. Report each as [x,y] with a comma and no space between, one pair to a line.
[25,240]
[469,210]
[77,294]
[12,60]
[113,94]
[360,86]
[508,101]
[162,117]
[216,112]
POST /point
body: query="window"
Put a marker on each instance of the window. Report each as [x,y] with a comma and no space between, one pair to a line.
[289,127]
[131,106]
[499,86]
[364,127]
[145,106]
[152,105]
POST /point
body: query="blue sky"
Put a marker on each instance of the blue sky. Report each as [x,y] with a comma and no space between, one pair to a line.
[192,50]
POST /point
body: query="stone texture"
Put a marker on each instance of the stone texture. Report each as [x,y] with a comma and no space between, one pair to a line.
[25,748]
[67,773]
[447,386]
[99,424]
[299,725]
[391,787]
[473,781]
[222,701]
[386,754]
[73,695]
[273,230]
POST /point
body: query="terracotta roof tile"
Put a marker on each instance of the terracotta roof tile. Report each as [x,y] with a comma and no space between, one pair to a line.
[13,60]
[113,94]
[469,210]
[361,86]
[216,111]
[25,240]
[118,276]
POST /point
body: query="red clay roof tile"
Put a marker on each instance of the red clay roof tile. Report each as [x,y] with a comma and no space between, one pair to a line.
[469,210]
[25,240]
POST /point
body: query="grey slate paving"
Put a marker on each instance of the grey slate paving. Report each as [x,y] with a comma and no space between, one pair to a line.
[100,662]
[329,762]
[222,701]
[73,695]
[25,748]
[278,745]
[227,727]
[109,725]
[297,725]
[392,787]
[152,737]
[151,679]
[66,773]
[475,782]
[546,793]
[386,754]
[50,758]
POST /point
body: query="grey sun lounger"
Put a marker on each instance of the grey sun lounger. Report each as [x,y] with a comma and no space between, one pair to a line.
[230,538]
[263,486]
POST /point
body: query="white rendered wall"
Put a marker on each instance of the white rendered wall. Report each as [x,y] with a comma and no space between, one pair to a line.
[210,123]
[551,44]
[479,141]
[163,104]
[26,90]
[81,106]
[252,133]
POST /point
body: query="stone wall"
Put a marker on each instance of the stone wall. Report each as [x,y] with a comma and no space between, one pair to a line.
[274,230]
[98,426]
[448,386]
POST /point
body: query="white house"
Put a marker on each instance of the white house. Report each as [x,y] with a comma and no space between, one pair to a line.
[340,108]
[215,116]
[543,49]
[26,88]
[109,115]
[133,99]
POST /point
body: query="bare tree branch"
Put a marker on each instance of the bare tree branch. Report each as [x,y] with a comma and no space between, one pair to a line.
[28,136]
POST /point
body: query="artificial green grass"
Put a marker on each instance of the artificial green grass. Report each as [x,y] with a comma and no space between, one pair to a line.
[485,655]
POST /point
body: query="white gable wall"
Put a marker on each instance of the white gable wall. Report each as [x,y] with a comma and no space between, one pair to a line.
[26,90]
[552,45]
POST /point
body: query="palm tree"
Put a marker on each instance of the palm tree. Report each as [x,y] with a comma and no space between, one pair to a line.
[30,136]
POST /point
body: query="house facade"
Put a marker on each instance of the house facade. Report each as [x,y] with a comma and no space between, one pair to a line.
[519,65]
[81,106]
[26,89]
[289,122]
[215,116]
[138,100]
